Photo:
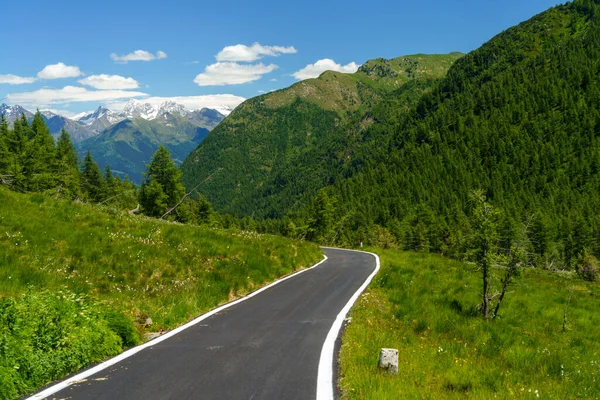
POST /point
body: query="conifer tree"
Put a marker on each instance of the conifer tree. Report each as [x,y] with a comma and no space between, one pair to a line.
[67,166]
[40,156]
[92,183]
[162,186]
[4,154]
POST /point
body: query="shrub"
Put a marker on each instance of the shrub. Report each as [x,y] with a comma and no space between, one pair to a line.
[588,268]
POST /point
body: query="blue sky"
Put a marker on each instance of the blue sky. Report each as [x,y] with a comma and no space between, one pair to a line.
[57,54]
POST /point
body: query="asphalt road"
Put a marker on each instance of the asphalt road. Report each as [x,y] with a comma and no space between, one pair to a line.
[266,347]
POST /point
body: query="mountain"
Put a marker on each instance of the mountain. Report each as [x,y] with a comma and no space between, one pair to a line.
[518,117]
[273,152]
[100,119]
[57,122]
[54,122]
[129,145]
[11,113]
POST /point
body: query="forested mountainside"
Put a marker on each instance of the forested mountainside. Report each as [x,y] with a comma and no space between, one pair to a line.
[518,118]
[275,151]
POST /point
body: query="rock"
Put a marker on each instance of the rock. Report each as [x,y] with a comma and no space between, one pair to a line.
[148,321]
[388,360]
[151,335]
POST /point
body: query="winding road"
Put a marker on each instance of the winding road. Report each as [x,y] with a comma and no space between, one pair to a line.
[270,346]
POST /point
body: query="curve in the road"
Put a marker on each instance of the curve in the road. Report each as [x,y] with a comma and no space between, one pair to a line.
[275,343]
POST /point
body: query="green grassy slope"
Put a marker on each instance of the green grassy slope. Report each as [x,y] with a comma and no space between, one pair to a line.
[73,279]
[425,306]
[274,151]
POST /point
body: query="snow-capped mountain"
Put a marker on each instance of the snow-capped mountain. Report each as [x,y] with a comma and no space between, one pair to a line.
[56,123]
[136,109]
[13,112]
[172,108]
[100,119]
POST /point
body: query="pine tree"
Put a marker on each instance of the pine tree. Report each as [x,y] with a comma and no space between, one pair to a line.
[17,142]
[162,186]
[40,156]
[67,169]
[92,183]
[4,154]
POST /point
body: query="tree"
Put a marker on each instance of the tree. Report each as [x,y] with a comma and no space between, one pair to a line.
[204,210]
[485,219]
[40,155]
[162,186]
[4,154]
[92,183]
[67,166]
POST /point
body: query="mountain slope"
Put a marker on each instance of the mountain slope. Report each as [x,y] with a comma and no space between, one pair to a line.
[129,145]
[518,117]
[274,151]
[56,123]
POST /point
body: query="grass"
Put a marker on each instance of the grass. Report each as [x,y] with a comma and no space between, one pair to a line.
[111,271]
[425,306]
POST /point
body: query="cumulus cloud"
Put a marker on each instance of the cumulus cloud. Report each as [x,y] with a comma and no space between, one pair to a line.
[60,70]
[232,73]
[326,64]
[256,51]
[215,101]
[68,94]
[109,82]
[138,55]
[15,80]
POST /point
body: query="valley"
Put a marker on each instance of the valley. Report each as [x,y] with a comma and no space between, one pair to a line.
[474,175]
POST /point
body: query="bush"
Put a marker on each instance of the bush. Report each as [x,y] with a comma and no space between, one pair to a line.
[123,327]
[45,336]
[588,268]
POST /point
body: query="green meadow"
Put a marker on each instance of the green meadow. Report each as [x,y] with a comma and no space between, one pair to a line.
[425,306]
[78,282]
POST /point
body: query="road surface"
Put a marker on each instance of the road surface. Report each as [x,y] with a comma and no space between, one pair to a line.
[266,347]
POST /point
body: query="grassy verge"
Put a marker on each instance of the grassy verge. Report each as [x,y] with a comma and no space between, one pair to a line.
[423,305]
[77,284]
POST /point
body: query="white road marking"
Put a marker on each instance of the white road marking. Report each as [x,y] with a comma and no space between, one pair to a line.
[85,374]
[325,388]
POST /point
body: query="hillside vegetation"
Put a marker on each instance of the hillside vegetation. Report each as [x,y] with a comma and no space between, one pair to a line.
[77,283]
[426,307]
[339,159]
[275,151]
[519,118]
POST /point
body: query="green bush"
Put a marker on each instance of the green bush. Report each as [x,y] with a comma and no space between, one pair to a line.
[44,336]
[122,326]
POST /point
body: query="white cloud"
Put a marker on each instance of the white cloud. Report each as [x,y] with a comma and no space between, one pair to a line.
[215,101]
[326,64]
[109,82]
[138,55]
[15,80]
[231,73]
[60,70]
[68,94]
[241,52]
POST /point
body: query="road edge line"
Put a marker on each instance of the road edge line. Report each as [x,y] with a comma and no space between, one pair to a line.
[129,353]
[325,388]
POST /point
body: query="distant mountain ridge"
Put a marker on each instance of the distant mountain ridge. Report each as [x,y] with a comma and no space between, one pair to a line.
[127,140]
[274,151]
